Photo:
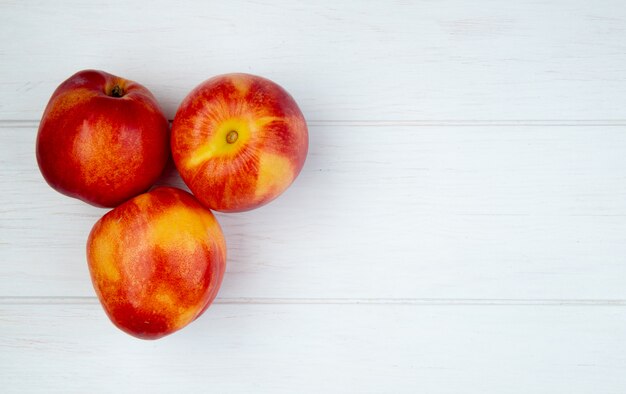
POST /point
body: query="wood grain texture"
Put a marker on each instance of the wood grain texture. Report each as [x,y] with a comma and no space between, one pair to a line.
[459,226]
[384,212]
[450,59]
[321,348]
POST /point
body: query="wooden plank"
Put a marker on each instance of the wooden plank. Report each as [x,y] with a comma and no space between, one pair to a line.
[449,59]
[321,348]
[378,212]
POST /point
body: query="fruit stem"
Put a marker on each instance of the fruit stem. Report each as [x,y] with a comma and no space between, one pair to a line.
[232,136]
[117,91]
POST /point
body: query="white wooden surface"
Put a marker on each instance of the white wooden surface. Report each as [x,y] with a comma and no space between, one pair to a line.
[459,226]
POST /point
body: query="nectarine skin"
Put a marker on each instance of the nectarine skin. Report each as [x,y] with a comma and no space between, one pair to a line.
[102,139]
[238,141]
[156,262]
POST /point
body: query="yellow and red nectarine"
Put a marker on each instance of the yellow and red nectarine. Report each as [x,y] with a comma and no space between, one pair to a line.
[238,141]
[156,262]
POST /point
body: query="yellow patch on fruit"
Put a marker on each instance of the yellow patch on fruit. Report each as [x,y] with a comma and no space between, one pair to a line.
[143,201]
[242,83]
[165,297]
[67,100]
[265,120]
[275,175]
[178,228]
[185,316]
[168,301]
[222,141]
[104,250]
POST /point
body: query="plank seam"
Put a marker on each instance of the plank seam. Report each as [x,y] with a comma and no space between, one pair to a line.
[28,300]
[17,123]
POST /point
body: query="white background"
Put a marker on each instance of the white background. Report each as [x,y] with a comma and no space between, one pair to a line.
[459,225]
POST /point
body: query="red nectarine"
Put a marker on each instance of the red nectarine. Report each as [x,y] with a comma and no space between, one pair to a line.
[238,141]
[102,139]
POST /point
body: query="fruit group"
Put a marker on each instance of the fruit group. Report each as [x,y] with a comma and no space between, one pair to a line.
[238,141]
[156,262]
[102,139]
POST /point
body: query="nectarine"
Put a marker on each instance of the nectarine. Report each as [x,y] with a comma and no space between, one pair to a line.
[102,139]
[156,262]
[238,141]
